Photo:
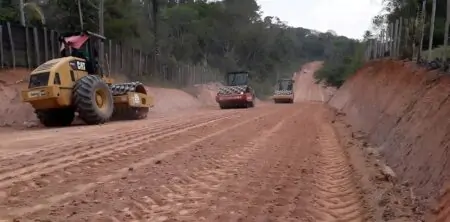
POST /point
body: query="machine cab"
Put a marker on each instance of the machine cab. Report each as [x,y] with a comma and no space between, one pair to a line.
[237,78]
[82,45]
[285,85]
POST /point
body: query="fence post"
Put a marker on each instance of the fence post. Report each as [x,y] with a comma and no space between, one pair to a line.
[27,45]
[131,61]
[121,57]
[52,43]
[391,39]
[383,42]
[36,46]
[146,64]
[405,44]
[399,39]
[110,56]
[430,42]
[374,48]
[422,29]
[116,59]
[395,38]
[45,44]
[2,62]
[11,42]
[140,63]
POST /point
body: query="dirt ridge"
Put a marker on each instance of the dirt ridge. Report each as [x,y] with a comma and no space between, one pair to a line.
[403,109]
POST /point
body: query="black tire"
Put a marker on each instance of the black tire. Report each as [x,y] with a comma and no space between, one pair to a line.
[222,106]
[87,91]
[56,117]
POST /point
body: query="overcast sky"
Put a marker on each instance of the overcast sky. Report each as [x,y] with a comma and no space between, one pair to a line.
[346,17]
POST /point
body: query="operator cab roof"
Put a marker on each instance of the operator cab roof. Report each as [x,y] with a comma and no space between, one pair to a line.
[77,39]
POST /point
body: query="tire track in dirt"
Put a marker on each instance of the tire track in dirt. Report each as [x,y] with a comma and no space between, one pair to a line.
[60,150]
[72,176]
[118,173]
[335,194]
[268,186]
[85,135]
[70,154]
[188,194]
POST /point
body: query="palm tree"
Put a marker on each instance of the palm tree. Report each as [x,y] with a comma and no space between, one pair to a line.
[34,7]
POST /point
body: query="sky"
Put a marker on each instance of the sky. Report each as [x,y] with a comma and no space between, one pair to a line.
[346,17]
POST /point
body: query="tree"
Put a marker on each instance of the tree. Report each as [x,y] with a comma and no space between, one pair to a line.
[226,35]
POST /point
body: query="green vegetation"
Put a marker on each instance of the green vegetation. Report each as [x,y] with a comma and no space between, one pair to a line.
[227,34]
[342,59]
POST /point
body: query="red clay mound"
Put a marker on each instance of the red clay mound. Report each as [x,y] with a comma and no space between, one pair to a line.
[404,109]
[305,87]
[172,100]
[205,93]
[12,111]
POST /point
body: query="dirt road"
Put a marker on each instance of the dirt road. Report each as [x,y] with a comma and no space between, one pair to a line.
[280,163]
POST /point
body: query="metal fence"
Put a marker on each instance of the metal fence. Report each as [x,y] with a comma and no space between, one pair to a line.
[403,39]
[28,47]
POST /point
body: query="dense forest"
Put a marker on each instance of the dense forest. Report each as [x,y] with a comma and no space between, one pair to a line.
[227,34]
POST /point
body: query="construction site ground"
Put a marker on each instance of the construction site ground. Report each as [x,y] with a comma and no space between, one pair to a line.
[314,160]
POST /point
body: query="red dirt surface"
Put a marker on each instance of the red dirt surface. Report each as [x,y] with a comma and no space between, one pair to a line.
[183,168]
[305,87]
[12,111]
[294,162]
[403,109]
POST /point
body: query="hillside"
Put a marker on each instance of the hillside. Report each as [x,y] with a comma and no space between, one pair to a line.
[403,111]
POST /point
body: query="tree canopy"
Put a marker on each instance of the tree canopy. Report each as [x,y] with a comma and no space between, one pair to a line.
[227,34]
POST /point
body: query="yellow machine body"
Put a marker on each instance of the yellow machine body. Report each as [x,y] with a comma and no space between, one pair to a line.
[51,84]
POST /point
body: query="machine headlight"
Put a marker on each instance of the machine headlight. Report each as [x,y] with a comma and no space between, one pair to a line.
[242,93]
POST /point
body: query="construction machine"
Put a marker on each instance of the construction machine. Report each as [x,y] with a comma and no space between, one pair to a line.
[75,84]
[284,92]
[237,93]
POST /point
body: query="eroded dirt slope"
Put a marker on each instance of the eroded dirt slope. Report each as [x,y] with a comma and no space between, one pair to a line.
[404,111]
[12,111]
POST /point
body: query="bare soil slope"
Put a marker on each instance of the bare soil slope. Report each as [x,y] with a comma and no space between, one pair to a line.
[17,114]
[404,109]
[12,111]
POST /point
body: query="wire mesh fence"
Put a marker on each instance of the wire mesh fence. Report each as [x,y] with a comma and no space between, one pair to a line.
[28,47]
